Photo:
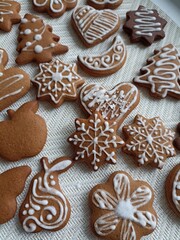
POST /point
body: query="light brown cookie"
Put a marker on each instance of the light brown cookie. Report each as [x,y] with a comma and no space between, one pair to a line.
[12,183]
[55,8]
[162,74]
[9,14]
[122,208]
[45,206]
[37,42]
[24,134]
[57,82]
[95,141]
[14,82]
[144,25]
[172,188]
[106,63]
[94,26]
[102,4]
[115,104]
[148,141]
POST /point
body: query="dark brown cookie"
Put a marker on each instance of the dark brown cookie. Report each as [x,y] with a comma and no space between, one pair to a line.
[37,42]
[102,4]
[144,25]
[176,141]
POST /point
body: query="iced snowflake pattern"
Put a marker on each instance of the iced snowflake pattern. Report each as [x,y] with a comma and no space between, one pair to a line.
[149,141]
[96,141]
[57,80]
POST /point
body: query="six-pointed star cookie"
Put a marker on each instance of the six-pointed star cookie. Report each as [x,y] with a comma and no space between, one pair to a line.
[96,141]
[57,82]
[149,141]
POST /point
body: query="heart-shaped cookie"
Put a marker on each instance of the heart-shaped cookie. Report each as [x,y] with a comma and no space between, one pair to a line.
[115,104]
[14,82]
[94,26]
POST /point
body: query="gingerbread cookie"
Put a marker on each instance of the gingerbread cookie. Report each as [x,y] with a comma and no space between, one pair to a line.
[102,4]
[24,134]
[95,141]
[14,82]
[144,25]
[9,14]
[12,183]
[106,63]
[115,104]
[176,141]
[45,206]
[57,82]
[36,41]
[122,208]
[55,8]
[149,141]
[172,188]
[162,74]
[94,26]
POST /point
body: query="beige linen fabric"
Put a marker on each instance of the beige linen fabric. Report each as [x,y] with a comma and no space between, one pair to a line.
[77,182]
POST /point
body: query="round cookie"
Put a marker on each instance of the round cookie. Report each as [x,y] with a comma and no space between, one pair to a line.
[172,188]
[122,208]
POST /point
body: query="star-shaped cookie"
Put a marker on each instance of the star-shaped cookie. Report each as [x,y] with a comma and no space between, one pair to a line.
[57,82]
[149,141]
[96,141]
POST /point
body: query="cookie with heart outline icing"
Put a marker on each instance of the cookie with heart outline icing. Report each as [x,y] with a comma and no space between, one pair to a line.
[12,183]
[122,208]
[95,141]
[172,189]
[57,82]
[45,206]
[9,14]
[55,8]
[102,4]
[115,104]
[14,82]
[162,73]
[108,62]
[144,25]
[148,141]
[36,41]
[94,26]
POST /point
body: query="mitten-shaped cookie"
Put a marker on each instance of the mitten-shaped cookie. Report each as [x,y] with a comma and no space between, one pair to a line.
[45,206]
[14,82]
[36,41]
[9,14]
[24,134]
[11,185]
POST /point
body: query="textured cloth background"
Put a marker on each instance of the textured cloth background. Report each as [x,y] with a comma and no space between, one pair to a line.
[77,182]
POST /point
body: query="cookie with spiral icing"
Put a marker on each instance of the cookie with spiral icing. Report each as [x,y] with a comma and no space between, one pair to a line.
[144,25]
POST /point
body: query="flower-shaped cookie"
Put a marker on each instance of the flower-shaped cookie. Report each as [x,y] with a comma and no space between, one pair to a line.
[149,141]
[122,208]
[96,141]
[57,82]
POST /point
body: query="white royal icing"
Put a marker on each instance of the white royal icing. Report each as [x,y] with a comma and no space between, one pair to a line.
[49,217]
[3,10]
[166,74]
[125,207]
[111,59]
[112,104]
[39,34]
[10,81]
[94,24]
[146,22]
[96,140]
[57,80]
[152,141]
[176,187]
[101,2]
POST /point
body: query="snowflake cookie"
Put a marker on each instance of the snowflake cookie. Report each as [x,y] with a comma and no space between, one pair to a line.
[149,141]
[122,208]
[57,82]
[96,141]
